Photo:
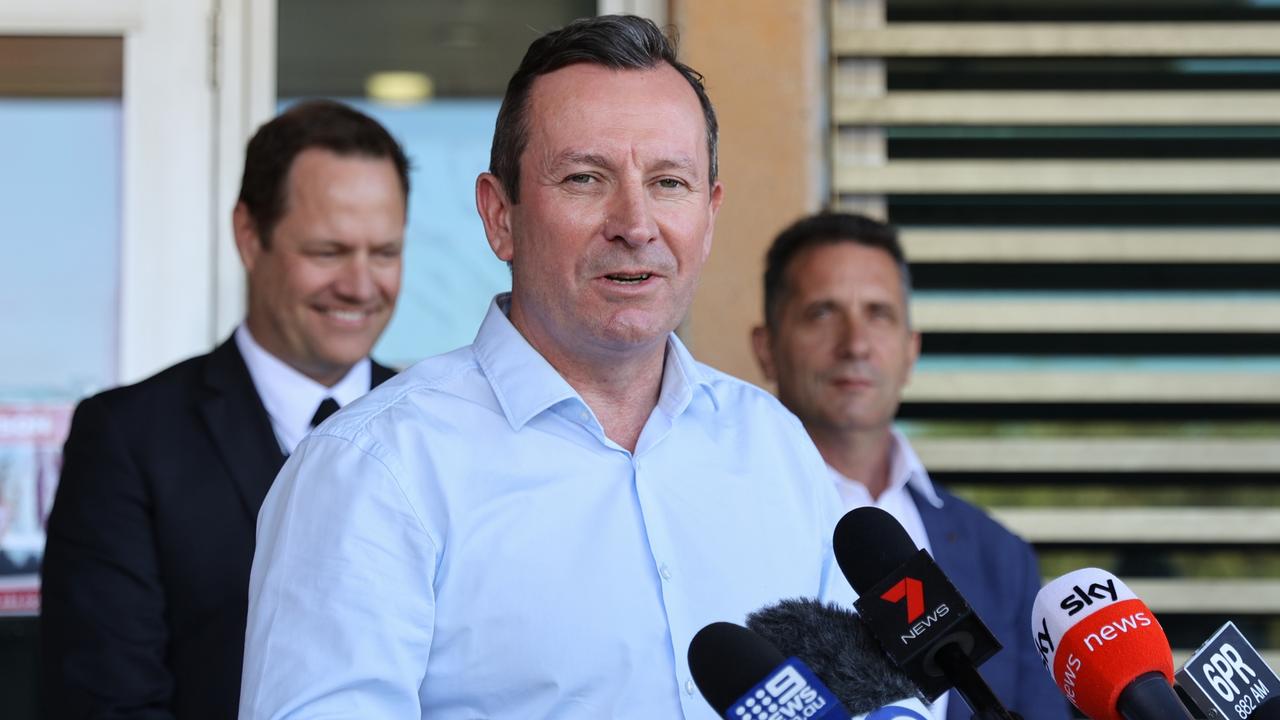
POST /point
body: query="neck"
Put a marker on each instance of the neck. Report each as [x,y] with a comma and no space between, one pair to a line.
[621,386]
[327,375]
[621,396]
[864,456]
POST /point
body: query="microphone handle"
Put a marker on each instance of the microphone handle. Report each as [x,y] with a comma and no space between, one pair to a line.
[1150,697]
[964,677]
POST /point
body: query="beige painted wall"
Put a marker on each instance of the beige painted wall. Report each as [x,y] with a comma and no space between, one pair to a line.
[764,63]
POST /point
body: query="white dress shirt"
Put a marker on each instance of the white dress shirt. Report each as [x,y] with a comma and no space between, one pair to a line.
[466,542]
[290,397]
[905,471]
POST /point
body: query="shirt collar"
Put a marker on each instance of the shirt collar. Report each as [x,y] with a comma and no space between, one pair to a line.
[290,397]
[905,468]
[525,384]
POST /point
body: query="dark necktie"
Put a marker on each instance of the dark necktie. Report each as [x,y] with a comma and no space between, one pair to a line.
[328,406]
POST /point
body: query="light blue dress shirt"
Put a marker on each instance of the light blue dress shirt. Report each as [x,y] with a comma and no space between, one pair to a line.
[465,542]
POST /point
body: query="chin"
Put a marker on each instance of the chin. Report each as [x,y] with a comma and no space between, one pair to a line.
[344,356]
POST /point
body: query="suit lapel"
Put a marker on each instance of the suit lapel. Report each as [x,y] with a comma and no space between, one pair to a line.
[946,539]
[238,423]
[379,374]
[954,553]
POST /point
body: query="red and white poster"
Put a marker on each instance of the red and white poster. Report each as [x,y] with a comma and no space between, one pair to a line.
[31,437]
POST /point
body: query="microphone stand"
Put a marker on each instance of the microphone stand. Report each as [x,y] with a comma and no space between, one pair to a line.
[1149,696]
[966,680]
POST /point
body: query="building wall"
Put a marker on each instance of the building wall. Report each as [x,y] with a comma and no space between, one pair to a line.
[765,68]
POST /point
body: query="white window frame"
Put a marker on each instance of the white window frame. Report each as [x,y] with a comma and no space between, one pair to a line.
[176,106]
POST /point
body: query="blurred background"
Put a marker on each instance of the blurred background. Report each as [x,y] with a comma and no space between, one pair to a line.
[1089,192]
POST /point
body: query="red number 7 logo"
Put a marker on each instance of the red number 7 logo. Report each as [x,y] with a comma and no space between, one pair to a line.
[913,591]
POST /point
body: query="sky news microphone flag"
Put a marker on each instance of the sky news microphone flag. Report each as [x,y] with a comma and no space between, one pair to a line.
[921,620]
[1104,648]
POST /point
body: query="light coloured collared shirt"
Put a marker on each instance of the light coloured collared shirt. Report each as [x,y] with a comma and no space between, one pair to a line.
[465,542]
[905,471]
[290,397]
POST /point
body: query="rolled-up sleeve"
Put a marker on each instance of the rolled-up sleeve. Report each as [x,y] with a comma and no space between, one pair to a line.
[341,600]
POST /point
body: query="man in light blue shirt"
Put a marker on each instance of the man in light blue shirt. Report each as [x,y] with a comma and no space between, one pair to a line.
[537,524]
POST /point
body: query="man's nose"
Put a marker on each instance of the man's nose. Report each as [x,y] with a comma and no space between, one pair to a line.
[355,280]
[630,217]
[853,340]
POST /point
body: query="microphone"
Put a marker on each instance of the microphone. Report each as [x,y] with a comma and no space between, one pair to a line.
[1226,677]
[1268,710]
[920,619]
[1104,648]
[840,649]
[744,677]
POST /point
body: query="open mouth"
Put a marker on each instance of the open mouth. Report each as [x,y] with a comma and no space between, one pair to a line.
[628,279]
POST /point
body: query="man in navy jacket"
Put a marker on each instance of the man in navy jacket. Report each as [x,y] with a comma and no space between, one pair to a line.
[839,343]
[146,571]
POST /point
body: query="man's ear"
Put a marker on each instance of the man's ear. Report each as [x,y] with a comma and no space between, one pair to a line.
[762,346]
[913,354]
[495,212]
[717,197]
[245,230]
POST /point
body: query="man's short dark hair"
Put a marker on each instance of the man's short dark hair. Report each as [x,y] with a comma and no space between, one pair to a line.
[323,124]
[826,228]
[618,42]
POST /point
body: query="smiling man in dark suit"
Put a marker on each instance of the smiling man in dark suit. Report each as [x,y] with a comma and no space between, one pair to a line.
[151,537]
[838,341]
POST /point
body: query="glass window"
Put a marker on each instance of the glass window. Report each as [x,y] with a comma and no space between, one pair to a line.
[60,189]
[433,73]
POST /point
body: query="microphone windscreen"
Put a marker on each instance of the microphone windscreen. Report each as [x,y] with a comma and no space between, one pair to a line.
[1095,638]
[727,660]
[837,645]
[869,544]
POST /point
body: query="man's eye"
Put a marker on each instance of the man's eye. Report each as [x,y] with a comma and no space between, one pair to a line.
[670,183]
[579,179]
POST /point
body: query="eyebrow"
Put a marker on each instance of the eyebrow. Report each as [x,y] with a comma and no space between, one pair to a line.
[582,158]
[679,162]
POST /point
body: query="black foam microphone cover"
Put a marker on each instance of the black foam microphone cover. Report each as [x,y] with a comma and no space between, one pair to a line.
[837,645]
[727,660]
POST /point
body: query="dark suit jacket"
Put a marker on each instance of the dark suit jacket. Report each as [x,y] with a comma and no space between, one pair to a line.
[997,573]
[150,541]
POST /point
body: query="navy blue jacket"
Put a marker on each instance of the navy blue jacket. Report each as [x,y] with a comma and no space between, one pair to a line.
[997,573]
[146,570]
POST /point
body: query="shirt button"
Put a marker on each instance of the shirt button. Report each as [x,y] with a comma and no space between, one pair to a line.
[664,571]
[688,687]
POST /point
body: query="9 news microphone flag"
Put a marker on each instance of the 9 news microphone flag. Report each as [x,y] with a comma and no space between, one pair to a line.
[839,647]
[744,677]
